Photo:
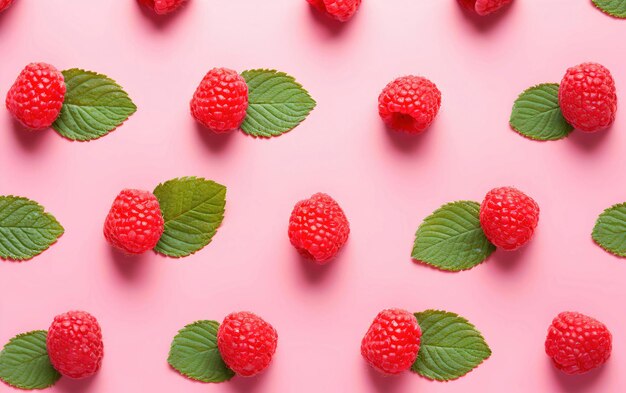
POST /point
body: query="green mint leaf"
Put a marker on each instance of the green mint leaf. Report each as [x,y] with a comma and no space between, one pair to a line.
[451,238]
[450,346]
[25,229]
[194,353]
[193,209]
[24,362]
[276,103]
[94,105]
[616,8]
[610,230]
[536,114]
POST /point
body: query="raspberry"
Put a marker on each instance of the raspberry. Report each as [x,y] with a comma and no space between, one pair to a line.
[508,217]
[75,344]
[4,4]
[577,343]
[221,100]
[342,10]
[392,341]
[135,222]
[587,97]
[318,228]
[246,343]
[36,97]
[484,7]
[409,104]
[162,7]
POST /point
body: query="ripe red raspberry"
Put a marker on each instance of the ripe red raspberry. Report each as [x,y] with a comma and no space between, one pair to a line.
[577,343]
[392,342]
[342,10]
[221,100]
[587,97]
[75,344]
[36,97]
[4,4]
[484,7]
[135,222]
[246,343]
[162,7]
[409,104]
[508,217]
[318,228]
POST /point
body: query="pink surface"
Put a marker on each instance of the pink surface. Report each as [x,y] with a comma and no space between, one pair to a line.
[386,184]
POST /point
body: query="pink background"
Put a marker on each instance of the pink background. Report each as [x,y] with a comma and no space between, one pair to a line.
[386,183]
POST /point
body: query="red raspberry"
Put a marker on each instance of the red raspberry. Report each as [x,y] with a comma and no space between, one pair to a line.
[587,97]
[409,104]
[318,228]
[342,10]
[162,7]
[75,344]
[135,222]
[246,343]
[4,4]
[484,7]
[392,342]
[221,100]
[577,343]
[508,217]
[36,97]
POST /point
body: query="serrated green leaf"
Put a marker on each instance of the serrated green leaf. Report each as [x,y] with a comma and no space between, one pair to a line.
[25,229]
[451,238]
[24,362]
[276,103]
[94,105]
[193,209]
[450,346]
[537,115]
[616,8]
[194,353]
[610,230]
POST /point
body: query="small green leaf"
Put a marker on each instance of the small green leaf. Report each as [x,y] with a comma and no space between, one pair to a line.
[193,209]
[24,362]
[194,353]
[94,105]
[616,8]
[25,229]
[610,230]
[536,114]
[451,238]
[276,103]
[450,346]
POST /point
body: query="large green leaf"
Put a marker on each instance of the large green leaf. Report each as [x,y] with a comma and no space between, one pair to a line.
[94,105]
[277,103]
[537,115]
[193,209]
[451,238]
[616,8]
[194,353]
[610,230]
[25,229]
[24,362]
[450,346]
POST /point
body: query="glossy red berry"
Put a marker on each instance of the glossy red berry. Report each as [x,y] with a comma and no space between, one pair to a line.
[135,222]
[162,7]
[318,228]
[36,97]
[577,343]
[221,100]
[74,344]
[587,97]
[484,7]
[392,342]
[247,343]
[4,4]
[508,217]
[409,104]
[342,10]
